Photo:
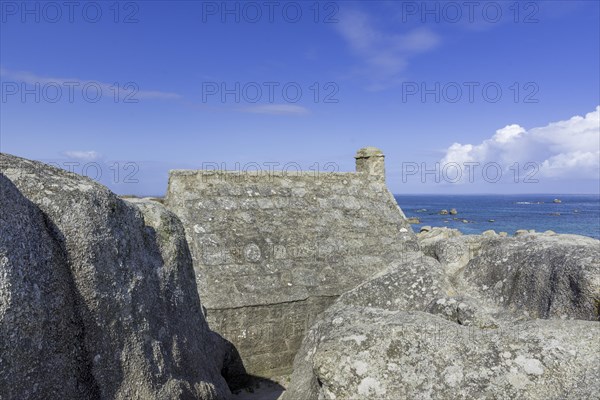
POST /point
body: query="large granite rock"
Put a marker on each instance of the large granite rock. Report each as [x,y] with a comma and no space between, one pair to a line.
[98,295]
[273,249]
[449,247]
[463,327]
[539,275]
[414,282]
[37,309]
[371,353]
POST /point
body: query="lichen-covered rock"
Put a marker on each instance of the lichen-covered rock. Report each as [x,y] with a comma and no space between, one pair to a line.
[430,236]
[471,311]
[450,247]
[454,253]
[178,287]
[37,310]
[477,337]
[544,276]
[539,275]
[369,353]
[412,283]
[141,329]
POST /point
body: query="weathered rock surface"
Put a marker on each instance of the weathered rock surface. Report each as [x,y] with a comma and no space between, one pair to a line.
[37,310]
[467,310]
[431,235]
[477,337]
[449,247]
[540,275]
[544,276]
[101,291]
[272,250]
[371,353]
[412,283]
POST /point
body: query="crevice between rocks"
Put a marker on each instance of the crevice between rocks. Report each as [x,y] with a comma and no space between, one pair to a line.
[274,304]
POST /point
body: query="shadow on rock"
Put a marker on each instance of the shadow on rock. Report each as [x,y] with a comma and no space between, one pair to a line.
[243,385]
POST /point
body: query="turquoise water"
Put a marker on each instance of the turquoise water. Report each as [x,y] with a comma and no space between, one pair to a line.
[578,214]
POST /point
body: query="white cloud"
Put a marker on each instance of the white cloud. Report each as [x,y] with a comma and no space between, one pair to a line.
[384,54]
[277,109]
[108,88]
[563,149]
[87,155]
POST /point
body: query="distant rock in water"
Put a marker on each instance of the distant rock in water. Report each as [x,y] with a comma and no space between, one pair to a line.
[425,228]
[98,296]
[557,201]
[443,212]
[453,211]
[413,220]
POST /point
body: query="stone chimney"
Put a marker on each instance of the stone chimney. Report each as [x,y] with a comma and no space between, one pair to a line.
[370,160]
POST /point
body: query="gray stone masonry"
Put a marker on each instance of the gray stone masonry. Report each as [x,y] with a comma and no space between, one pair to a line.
[272,250]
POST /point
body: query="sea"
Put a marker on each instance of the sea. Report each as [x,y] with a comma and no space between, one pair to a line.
[576,214]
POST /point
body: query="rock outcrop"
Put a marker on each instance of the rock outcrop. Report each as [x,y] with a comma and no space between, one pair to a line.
[411,283]
[272,250]
[479,317]
[372,353]
[98,296]
[37,309]
[541,275]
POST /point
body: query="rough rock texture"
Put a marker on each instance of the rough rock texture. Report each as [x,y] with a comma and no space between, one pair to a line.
[115,285]
[476,312]
[274,249]
[37,310]
[370,353]
[540,275]
[545,276]
[412,283]
[477,336]
[448,246]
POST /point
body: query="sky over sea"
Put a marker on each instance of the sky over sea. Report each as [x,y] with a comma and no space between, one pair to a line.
[462,97]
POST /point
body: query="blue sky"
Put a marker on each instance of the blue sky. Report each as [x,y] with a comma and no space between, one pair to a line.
[379,73]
